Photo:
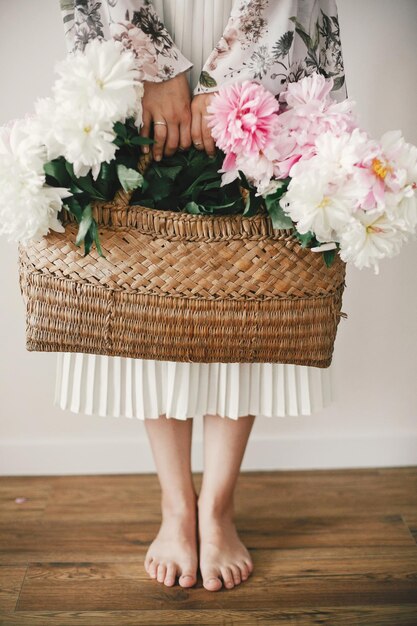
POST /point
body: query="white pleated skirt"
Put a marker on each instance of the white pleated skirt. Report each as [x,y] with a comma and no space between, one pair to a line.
[145,389]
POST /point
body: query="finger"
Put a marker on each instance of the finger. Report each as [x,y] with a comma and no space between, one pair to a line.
[145,129]
[196,135]
[171,143]
[160,135]
[209,145]
[185,134]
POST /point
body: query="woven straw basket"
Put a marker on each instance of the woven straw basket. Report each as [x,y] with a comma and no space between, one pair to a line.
[181,287]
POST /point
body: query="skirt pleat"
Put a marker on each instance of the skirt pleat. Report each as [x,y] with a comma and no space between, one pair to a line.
[140,388]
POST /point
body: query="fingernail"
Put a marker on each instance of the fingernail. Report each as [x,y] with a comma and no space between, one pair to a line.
[158,157]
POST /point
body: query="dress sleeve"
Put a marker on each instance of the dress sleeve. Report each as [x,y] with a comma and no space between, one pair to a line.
[277,42]
[133,22]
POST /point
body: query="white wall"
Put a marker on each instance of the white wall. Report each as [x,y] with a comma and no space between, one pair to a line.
[373,420]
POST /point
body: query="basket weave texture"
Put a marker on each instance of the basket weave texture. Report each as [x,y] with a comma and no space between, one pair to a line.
[181,287]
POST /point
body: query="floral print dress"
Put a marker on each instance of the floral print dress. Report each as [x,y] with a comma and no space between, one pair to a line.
[271,41]
[215,42]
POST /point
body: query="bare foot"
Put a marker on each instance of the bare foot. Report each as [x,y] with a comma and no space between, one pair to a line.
[222,555]
[173,552]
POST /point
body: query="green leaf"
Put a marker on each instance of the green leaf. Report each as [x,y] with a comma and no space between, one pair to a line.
[206,80]
[119,142]
[171,172]
[304,238]
[129,178]
[329,256]
[214,185]
[56,169]
[87,243]
[160,188]
[279,219]
[74,207]
[84,225]
[120,130]
[243,180]
[107,182]
[84,183]
[94,232]
[192,207]
[207,175]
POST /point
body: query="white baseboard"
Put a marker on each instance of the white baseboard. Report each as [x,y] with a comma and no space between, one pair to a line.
[124,456]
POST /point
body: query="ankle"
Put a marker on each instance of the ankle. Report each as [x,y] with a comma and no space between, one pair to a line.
[180,504]
[218,507]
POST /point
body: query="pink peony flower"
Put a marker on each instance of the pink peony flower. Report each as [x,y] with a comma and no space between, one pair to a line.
[242,117]
[310,113]
[310,89]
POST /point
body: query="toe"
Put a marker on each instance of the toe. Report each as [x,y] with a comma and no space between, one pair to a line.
[211,581]
[162,570]
[188,576]
[237,579]
[147,562]
[244,570]
[152,568]
[187,579]
[171,573]
[249,565]
[227,577]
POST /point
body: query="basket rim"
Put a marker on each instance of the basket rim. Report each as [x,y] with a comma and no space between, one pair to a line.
[118,214]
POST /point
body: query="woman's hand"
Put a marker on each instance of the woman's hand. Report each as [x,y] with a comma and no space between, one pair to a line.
[200,132]
[169,102]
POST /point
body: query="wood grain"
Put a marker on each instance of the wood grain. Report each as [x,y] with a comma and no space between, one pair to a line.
[11,579]
[329,547]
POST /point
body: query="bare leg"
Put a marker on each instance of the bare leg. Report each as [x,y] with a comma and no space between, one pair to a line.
[222,554]
[174,550]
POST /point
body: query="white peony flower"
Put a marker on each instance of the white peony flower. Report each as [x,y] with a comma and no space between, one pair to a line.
[406,212]
[18,142]
[370,237]
[103,78]
[43,127]
[258,169]
[28,207]
[402,154]
[341,152]
[401,208]
[86,142]
[316,203]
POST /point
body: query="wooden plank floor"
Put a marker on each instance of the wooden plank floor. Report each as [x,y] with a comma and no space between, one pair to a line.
[329,547]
